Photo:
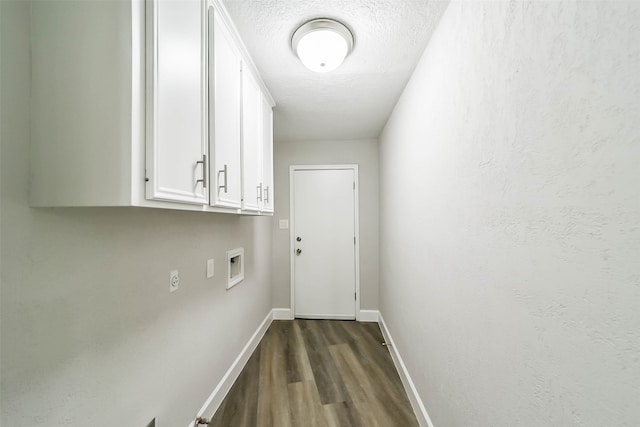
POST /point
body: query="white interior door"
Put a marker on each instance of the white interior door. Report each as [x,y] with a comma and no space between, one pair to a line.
[324,243]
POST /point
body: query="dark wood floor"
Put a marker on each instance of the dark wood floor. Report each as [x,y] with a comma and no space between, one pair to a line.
[318,373]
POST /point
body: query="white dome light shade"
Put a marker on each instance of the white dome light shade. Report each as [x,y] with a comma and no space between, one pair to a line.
[322,44]
[322,50]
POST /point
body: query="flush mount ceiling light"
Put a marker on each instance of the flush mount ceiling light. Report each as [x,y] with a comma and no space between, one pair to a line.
[322,44]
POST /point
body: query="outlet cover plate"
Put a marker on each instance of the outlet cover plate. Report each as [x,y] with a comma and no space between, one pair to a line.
[174,281]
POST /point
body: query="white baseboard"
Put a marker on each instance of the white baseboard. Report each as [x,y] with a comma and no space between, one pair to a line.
[282,314]
[287,314]
[217,396]
[368,316]
[412,393]
[324,317]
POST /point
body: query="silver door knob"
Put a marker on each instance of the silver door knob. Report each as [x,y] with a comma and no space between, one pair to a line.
[298,251]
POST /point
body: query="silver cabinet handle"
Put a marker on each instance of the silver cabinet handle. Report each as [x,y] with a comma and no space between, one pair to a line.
[266,194]
[204,171]
[223,171]
[259,188]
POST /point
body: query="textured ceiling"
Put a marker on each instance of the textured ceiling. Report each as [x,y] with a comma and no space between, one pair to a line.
[355,100]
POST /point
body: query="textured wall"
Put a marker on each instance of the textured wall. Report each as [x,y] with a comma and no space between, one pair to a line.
[361,152]
[90,334]
[510,216]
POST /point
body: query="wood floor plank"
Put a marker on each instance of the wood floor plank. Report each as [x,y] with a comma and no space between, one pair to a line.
[359,389]
[273,404]
[388,388]
[325,372]
[376,358]
[373,400]
[334,331]
[341,414]
[306,409]
[297,359]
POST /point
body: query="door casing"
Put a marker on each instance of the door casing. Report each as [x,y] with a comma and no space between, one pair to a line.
[354,168]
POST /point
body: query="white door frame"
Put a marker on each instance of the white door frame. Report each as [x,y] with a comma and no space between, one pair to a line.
[354,168]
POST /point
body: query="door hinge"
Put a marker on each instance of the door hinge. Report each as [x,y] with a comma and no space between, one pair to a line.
[354,296]
[354,185]
[354,240]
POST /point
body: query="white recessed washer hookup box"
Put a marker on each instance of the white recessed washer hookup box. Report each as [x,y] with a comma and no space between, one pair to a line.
[235,267]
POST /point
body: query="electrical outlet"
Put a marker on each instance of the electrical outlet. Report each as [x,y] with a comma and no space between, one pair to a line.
[174,281]
[209,268]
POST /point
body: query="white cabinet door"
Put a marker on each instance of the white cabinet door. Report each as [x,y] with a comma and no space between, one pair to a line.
[267,156]
[225,109]
[251,143]
[176,102]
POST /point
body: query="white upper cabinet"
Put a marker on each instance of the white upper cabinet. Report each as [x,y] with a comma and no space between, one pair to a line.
[225,109]
[267,155]
[177,134]
[139,103]
[251,144]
